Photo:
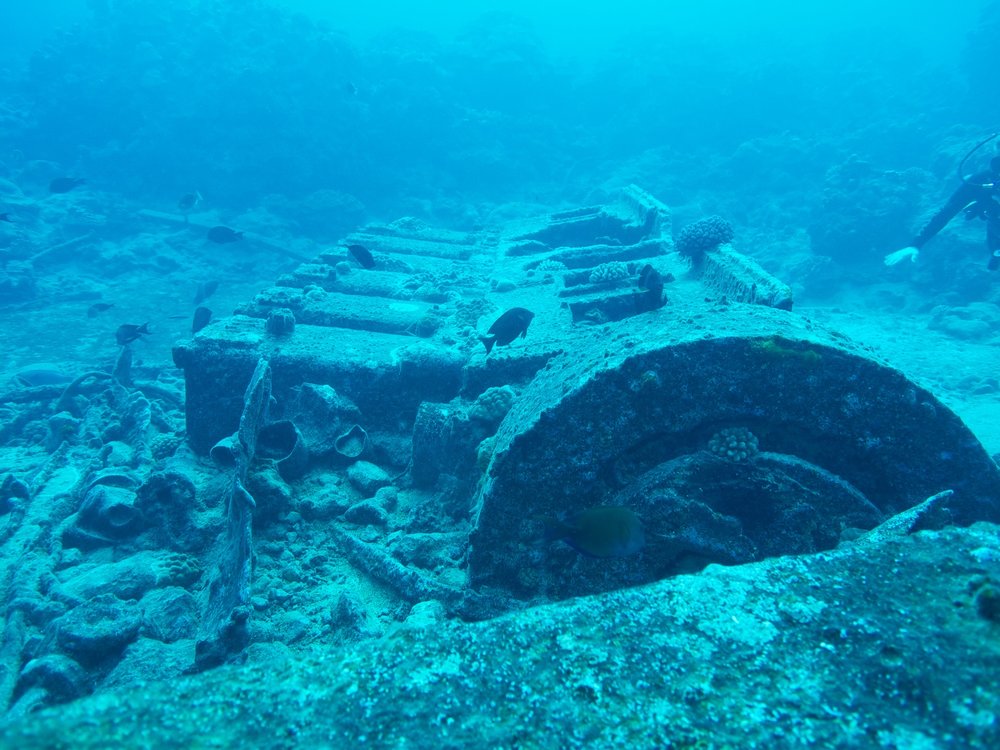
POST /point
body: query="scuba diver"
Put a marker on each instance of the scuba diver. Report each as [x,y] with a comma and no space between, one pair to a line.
[979,197]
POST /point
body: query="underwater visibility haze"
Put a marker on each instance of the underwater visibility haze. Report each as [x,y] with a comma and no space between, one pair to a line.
[499,374]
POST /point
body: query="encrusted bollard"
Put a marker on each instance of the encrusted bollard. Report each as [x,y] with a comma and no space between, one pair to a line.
[280,322]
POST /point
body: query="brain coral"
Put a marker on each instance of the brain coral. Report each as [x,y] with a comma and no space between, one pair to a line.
[492,405]
[608,273]
[703,235]
[550,266]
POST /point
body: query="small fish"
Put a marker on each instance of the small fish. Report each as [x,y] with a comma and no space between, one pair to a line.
[223,235]
[205,290]
[650,278]
[362,255]
[603,531]
[189,201]
[652,281]
[127,332]
[65,184]
[507,328]
[97,308]
[202,317]
[6,217]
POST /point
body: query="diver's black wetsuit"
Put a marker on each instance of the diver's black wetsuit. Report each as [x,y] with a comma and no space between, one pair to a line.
[980,196]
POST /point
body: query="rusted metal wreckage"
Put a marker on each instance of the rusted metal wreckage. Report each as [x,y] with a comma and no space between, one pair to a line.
[733,426]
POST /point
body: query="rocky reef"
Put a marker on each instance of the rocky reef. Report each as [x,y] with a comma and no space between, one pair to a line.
[793,651]
[349,462]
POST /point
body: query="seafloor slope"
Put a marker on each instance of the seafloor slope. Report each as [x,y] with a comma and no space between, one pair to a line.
[889,641]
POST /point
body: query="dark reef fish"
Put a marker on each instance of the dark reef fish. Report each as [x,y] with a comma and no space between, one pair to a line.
[650,278]
[97,308]
[189,201]
[362,255]
[205,290]
[652,281]
[65,184]
[128,332]
[202,317]
[602,531]
[507,327]
[223,235]
[6,217]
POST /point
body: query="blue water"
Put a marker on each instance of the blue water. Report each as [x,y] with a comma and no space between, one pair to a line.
[519,102]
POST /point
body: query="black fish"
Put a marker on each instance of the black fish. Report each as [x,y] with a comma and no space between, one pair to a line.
[5,217]
[362,255]
[603,531]
[205,290]
[65,184]
[650,278]
[652,281]
[202,317]
[127,332]
[222,235]
[189,201]
[507,327]
[97,308]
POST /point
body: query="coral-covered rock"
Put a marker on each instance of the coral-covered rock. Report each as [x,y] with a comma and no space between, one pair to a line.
[322,505]
[169,614]
[866,210]
[368,478]
[347,617]
[976,321]
[167,500]
[272,495]
[430,551]
[366,513]
[99,630]
[491,406]
[149,659]
[61,678]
